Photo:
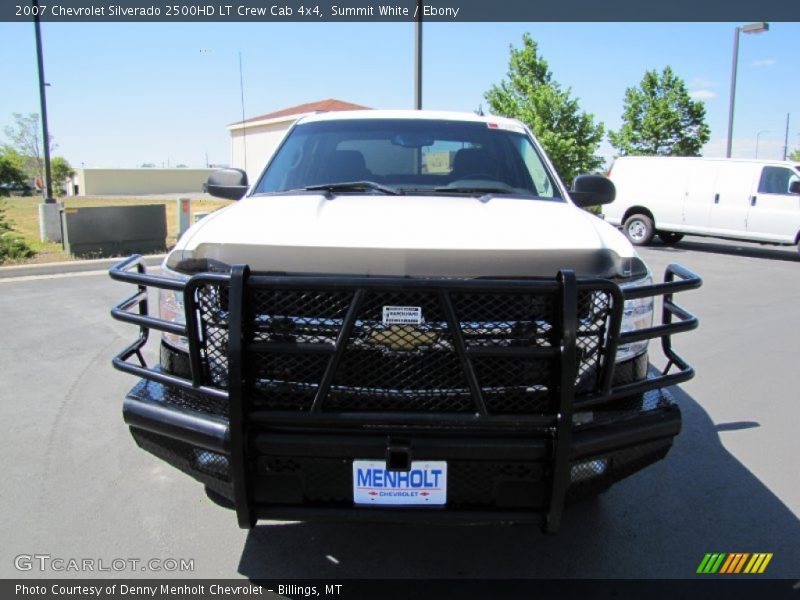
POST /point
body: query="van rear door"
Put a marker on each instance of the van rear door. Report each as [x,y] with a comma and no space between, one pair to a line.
[734,184]
[774,213]
[700,194]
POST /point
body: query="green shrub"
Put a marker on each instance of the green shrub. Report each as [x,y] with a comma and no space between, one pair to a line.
[12,247]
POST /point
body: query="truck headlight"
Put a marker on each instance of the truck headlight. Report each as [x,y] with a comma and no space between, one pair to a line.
[636,314]
[170,308]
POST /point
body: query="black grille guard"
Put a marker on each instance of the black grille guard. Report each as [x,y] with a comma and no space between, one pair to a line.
[229,438]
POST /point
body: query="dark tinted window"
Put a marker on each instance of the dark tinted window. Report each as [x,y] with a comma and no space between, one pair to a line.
[776,180]
[407,154]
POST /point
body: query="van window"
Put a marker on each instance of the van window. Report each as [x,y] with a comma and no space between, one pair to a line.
[776,180]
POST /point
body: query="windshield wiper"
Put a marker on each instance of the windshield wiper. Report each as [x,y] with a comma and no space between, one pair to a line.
[475,189]
[353,186]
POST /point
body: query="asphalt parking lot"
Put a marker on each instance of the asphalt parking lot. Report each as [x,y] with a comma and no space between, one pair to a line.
[74,485]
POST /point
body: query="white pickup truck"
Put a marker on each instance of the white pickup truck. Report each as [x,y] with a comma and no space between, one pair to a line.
[407,317]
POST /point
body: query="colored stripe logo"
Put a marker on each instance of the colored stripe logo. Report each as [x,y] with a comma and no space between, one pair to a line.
[734,563]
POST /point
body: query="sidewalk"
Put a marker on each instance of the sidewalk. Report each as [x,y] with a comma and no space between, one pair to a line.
[72,266]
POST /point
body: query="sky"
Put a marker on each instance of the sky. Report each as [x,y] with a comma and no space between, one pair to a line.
[124,94]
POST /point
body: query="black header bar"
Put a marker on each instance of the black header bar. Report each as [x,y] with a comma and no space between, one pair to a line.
[458,11]
[730,587]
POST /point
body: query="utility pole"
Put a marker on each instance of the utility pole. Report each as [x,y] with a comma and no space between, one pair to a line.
[418,58]
[786,139]
[244,125]
[48,183]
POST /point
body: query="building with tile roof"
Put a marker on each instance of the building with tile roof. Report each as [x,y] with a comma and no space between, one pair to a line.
[255,139]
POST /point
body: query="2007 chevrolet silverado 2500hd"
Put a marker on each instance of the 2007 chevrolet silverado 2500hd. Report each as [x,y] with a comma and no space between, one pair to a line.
[407,316]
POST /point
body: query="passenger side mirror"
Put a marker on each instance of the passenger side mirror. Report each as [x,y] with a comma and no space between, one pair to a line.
[794,187]
[227,183]
[591,190]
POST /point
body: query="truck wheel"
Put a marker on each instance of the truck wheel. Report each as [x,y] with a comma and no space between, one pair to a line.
[670,237]
[639,229]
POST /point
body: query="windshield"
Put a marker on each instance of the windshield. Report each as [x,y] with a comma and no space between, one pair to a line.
[409,155]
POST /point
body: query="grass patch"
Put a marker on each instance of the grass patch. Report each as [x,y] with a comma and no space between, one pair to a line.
[23,213]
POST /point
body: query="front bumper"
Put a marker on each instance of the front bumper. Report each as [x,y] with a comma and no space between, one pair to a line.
[300,473]
[294,461]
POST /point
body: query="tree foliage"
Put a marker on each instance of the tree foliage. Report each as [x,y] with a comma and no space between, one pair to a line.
[26,139]
[660,118]
[25,152]
[10,174]
[61,170]
[795,155]
[16,160]
[569,135]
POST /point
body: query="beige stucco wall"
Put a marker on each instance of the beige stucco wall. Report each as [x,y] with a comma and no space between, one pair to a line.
[261,141]
[102,182]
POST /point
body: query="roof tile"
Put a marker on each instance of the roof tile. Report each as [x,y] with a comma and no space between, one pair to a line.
[331,104]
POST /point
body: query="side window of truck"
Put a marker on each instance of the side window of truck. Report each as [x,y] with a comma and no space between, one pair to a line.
[776,180]
[541,180]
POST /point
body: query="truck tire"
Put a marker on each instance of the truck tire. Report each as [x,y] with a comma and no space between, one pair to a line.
[639,229]
[670,238]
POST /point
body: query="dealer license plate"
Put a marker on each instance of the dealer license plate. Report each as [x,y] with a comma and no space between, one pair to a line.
[424,484]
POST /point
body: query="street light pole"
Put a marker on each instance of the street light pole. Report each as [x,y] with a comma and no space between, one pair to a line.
[758,135]
[733,91]
[786,139]
[418,58]
[48,182]
[750,28]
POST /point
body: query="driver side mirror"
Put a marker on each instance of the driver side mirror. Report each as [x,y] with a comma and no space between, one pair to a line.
[794,187]
[230,184]
[591,190]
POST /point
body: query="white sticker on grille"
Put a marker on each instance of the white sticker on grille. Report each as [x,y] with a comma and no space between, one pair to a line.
[402,315]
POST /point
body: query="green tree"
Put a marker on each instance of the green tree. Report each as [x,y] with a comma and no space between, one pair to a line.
[26,138]
[16,160]
[61,170]
[10,175]
[570,136]
[660,118]
[795,155]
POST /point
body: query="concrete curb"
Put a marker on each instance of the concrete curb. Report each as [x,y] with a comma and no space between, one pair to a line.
[72,266]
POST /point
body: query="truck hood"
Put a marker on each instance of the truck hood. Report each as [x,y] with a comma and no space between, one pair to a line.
[427,236]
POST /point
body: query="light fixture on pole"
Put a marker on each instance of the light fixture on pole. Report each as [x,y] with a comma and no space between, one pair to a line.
[758,135]
[749,28]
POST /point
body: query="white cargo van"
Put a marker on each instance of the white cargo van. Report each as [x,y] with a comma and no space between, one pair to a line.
[756,200]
